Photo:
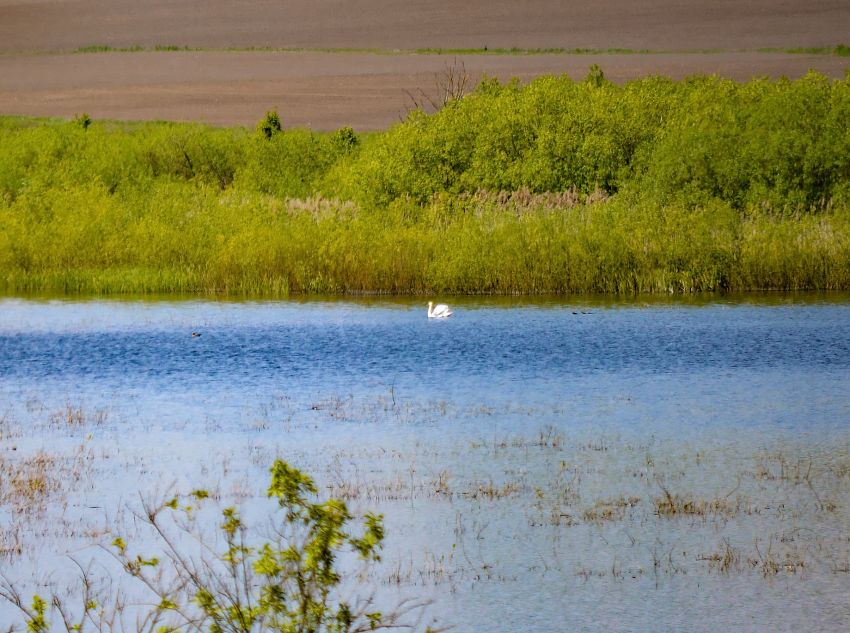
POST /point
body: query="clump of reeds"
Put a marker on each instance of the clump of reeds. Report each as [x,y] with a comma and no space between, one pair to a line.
[724,561]
[28,483]
[76,416]
[492,491]
[768,563]
[610,510]
[674,505]
[8,429]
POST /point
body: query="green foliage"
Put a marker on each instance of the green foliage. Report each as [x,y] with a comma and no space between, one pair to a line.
[289,165]
[552,135]
[595,76]
[83,120]
[780,144]
[698,139]
[839,50]
[270,125]
[37,621]
[187,208]
[247,584]
[345,139]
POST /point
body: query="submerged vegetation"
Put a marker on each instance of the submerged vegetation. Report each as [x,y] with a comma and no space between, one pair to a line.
[558,186]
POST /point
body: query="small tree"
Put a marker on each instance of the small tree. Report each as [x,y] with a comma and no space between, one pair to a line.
[288,584]
[270,125]
[595,76]
[83,120]
[345,139]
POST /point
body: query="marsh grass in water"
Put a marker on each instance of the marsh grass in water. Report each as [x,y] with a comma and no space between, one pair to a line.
[559,186]
[288,582]
[602,508]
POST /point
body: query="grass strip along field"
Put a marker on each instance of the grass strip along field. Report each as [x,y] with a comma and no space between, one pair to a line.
[558,186]
[839,50]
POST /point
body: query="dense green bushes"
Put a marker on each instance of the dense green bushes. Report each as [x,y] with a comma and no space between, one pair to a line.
[780,142]
[703,184]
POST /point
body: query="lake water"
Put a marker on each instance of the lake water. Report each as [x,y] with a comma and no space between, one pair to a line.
[517,449]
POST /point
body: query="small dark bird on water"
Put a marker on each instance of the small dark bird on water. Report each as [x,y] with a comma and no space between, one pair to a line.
[196,333]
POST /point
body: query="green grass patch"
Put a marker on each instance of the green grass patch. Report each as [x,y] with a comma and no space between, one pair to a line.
[103,48]
[839,50]
[531,51]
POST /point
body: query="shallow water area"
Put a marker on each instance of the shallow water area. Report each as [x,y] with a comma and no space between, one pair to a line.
[542,464]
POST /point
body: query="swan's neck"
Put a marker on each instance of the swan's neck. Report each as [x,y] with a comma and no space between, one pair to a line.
[430,309]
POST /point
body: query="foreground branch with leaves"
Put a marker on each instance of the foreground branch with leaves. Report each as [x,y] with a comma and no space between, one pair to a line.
[290,582]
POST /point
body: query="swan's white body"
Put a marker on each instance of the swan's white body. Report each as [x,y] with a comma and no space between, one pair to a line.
[439,311]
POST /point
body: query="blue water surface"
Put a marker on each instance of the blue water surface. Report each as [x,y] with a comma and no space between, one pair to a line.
[778,363]
[371,391]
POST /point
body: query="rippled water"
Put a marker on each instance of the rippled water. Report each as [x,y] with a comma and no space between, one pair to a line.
[787,358]
[374,392]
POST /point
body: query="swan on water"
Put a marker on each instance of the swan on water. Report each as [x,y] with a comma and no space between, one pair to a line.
[439,311]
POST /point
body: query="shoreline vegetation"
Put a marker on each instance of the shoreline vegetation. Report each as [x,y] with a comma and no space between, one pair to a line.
[554,187]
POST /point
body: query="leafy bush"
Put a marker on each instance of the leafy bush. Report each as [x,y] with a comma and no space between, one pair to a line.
[345,139]
[289,165]
[83,120]
[270,125]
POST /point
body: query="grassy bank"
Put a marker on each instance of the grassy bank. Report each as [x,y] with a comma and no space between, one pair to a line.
[654,186]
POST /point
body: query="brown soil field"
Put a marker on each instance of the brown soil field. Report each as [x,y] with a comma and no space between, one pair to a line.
[318,90]
[27,25]
[39,75]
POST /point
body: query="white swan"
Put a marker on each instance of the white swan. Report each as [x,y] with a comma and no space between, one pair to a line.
[439,311]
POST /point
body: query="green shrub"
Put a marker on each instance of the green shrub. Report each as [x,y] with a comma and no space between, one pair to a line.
[289,165]
[83,120]
[270,125]
[345,139]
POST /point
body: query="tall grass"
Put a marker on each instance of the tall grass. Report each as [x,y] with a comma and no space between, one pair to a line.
[86,240]
[655,186]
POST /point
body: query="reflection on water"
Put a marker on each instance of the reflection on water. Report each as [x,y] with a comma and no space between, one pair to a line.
[520,450]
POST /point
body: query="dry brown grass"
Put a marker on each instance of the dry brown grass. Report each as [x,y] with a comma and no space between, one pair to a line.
[675,505]
[26,485]
[724,561]
[76,416]
[770,563]
[30,482]
[491,491]
[610,510]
